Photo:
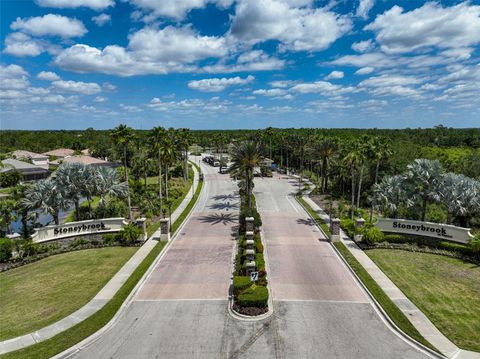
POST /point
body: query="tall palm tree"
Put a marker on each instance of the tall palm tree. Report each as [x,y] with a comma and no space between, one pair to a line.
[460,194]
[423,177]
[48,197]
[7,213]
[169,154]
[390,194]
[381,151]
[70,176]
[156,138]
[326,148]
[245,157]
[351,160]
[364,150]
[122,136]
[107,183]
[185,138]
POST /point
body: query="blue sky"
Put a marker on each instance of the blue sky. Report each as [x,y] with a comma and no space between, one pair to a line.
[206,64]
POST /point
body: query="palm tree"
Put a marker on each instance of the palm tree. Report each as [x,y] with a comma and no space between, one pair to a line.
[169,154]
[18,192]
[269,132]
[69,176]
[107,184]
[48,197]
[157,137]
[423,178]
[364,153]
[381,151]
[351,160]
[7,213]
[245,157]
[326,149]
[460,194]
[185,138]
[122,136]
[390,194]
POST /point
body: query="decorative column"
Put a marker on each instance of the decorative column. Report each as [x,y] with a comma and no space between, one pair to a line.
[249,224]
[360,222]
[165,229]
[142,224]
[249,240]
[250,265]
[335,229]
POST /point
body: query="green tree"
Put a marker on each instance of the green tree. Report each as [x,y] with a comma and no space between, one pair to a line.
[7,214]
[157,137]
[122,136]
[184,140]
[245,157]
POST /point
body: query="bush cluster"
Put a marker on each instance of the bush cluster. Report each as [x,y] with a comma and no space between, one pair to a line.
[254,296]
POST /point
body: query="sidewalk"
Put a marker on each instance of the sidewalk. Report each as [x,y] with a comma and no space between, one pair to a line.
[424,326]
[105,294]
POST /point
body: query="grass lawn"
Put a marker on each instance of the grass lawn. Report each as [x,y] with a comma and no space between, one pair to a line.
[39,294]
[446,289]
[6,190]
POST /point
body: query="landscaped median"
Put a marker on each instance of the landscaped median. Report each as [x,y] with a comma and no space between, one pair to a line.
[250,297]
[95,322]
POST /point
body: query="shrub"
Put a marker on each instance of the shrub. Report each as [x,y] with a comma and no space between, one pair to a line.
[258,247]
[78,242]
[348,226]
[474,244]
[254,296]
[27,248]
[260,262]
[240,283]
[373,235]
[6,248]
[130,234]
[109,238]
[10,178]
[395,238]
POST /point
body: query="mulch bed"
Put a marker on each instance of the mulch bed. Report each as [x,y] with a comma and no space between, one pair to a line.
[250,311]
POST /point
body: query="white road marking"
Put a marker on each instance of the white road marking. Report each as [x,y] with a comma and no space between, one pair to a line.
[291,203]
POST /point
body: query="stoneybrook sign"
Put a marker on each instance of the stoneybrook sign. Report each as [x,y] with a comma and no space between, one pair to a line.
[426,229]
[106,225]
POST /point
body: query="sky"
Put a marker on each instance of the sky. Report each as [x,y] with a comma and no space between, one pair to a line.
[234,64]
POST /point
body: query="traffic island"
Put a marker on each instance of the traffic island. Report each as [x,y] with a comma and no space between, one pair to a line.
[250,293]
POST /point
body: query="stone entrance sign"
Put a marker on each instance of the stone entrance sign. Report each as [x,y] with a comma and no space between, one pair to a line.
[425,229]
[74,229]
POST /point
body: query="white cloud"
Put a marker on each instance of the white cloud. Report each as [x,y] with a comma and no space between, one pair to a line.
[218,84]
[48,76]
[50,24]
[13,77]
[364,71]
[389,80]
[100,99]
[364,7]
[281,83]
[176,9]
[322,87]
[363,46]
[71,4]
[335,75]
[270,92]
[85,88]
[149,51]
[38,91]
[255,60]
[130,108]
[107,86]
[101,19]
[19,44]
[297,28]
[428,26]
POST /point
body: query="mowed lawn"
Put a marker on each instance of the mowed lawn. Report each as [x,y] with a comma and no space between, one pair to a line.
[446,290]
[40,293]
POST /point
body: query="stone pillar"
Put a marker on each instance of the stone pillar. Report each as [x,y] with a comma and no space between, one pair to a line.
[165,229]
[250,267]
[250,254]
[360,222]
[249,240]
[142,224]
[335,229]
[249,224]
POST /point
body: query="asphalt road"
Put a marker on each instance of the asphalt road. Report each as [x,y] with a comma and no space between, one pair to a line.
[181,310]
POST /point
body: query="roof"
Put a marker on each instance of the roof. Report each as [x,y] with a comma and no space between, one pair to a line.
[60,152]
[23,167]
[86,160]
[27,154]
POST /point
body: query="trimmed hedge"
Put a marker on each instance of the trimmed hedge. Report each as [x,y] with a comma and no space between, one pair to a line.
[255,296]
[241,283]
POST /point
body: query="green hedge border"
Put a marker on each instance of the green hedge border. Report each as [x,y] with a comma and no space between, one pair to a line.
[95,322]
